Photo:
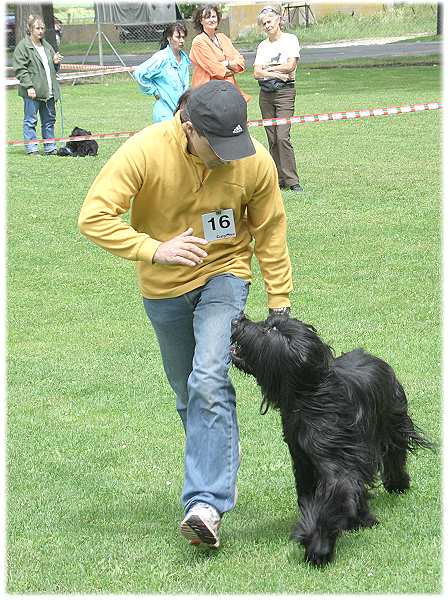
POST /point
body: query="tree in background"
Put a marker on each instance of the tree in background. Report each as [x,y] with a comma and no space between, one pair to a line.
[45,9]
[187,10]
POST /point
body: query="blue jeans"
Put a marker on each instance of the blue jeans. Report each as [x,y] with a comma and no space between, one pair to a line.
[47,113]
[193,331]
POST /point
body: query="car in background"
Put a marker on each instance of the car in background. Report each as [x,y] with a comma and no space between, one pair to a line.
[10,28]
[147,32]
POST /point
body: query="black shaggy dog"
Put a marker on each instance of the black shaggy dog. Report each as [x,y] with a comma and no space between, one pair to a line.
[79,147]
[344,419]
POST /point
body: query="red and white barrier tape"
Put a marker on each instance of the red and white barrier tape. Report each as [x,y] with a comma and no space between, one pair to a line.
[12,81]
[80,67]
[353,114]
[299,120]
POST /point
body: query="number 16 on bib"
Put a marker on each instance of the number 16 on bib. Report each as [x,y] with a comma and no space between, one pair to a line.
[218,225]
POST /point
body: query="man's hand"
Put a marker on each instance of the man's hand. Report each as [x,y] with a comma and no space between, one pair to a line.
[181,250]
[31,93]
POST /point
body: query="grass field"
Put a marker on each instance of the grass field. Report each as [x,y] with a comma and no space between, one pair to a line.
[94,446]
[401,20]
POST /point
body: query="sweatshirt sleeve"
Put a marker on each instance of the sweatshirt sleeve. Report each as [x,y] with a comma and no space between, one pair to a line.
[267,225]
[146,73]
[203,55]
[110,197]
[20,62]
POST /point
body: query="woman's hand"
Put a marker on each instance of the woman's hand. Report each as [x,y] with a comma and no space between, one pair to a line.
[232,65]
[31,93]
[278,75]
[57,58]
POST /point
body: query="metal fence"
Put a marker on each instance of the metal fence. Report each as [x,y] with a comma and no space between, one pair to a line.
[83,32]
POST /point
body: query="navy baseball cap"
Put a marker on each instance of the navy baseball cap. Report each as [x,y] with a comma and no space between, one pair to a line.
[218,111]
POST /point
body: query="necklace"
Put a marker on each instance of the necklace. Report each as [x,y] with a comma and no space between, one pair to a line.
[214,40]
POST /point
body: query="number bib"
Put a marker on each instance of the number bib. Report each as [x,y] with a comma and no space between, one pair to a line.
[218,225]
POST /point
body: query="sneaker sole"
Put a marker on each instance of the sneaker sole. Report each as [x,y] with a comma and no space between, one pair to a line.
[196,531]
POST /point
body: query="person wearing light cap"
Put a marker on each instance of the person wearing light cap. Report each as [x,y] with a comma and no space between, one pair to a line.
[204,198]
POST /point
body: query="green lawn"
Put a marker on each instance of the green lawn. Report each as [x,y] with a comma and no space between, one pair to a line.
[406,18]
[94,445]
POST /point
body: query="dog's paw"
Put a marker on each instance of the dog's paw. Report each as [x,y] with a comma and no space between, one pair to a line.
[397,486]
[318,550]
[368,521]
[318,557]
[362,521]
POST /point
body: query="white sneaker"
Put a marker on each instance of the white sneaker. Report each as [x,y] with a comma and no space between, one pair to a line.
[201,524]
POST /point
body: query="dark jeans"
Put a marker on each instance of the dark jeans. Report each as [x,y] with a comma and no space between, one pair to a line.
[274,105]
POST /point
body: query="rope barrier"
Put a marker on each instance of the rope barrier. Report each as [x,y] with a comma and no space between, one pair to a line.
[80,67]
[104,71]
[353,114]
[297,120]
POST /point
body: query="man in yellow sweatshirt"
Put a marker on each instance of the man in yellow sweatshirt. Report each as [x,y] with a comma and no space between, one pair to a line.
[204,198]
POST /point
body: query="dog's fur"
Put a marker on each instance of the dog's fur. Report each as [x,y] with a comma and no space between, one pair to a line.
[79,147]
[344,419]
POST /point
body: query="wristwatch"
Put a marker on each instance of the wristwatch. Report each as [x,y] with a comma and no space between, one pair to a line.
[284,310]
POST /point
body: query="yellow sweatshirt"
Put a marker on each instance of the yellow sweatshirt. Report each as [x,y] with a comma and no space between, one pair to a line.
[169,190]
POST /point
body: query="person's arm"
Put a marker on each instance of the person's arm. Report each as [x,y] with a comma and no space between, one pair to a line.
[286,68]
[110,197]
[20,62]
[235,61]
[267,225]
[146,73]
[202,54]
[261,72]
[57,59]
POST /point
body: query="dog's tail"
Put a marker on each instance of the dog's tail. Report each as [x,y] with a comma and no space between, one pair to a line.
[407,434]
[417,439]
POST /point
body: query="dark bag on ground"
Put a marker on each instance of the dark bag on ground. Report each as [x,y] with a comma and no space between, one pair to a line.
[80,147]
[273,85]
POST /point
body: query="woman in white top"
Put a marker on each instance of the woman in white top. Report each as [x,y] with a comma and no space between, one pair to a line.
[275,69]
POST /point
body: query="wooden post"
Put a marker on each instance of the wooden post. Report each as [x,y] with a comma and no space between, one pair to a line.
[439,18]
